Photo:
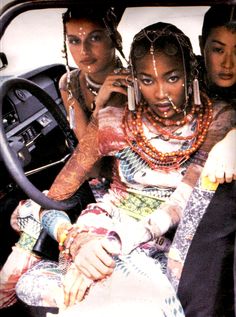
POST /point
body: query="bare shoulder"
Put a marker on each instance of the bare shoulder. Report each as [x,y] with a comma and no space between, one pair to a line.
[63,80]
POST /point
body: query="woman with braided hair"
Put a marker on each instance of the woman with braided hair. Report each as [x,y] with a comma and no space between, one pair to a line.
[92,38]
[111,260]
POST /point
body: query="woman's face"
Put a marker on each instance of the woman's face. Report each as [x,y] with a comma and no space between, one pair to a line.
[161,81]
[220,57]
[90,45]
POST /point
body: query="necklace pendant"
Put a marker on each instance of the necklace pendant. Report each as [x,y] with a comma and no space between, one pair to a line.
[165,137]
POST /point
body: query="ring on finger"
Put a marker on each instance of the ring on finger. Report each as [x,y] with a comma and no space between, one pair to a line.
[117,83]
[128,79]
[117,70]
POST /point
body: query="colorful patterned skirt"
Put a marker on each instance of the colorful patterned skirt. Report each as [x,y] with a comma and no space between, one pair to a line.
[138,285]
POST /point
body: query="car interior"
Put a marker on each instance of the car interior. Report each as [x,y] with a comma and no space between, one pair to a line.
[35,137]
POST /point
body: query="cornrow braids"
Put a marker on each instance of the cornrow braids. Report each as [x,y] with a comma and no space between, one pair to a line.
[106,17]
[65,55]
[167,38]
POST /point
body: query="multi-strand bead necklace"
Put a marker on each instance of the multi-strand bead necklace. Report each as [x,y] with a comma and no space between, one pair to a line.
[157,160]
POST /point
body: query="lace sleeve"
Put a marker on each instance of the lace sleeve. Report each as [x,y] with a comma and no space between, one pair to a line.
[77,169]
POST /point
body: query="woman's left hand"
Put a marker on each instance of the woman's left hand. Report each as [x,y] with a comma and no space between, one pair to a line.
[94,258]
[75,286]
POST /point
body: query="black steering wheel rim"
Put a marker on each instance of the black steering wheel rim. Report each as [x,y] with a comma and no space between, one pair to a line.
[13,164]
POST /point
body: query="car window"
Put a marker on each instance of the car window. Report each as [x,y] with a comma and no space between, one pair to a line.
[188,19]
[35,38]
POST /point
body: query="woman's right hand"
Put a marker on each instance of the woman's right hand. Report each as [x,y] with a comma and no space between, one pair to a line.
[115,82]
[221,163]
[94,258]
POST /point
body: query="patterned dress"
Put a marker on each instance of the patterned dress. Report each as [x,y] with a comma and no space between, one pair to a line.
[27,218]
[137,194]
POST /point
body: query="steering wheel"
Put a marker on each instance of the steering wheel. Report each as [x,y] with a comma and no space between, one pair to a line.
[83,194]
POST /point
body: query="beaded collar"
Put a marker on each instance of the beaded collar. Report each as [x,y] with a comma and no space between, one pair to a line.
[91,85]
[94,87]
[157,160]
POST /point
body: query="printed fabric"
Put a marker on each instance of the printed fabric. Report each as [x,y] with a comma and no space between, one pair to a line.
[137,194]
[25,220]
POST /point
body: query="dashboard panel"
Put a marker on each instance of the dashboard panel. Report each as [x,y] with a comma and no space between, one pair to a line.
[30,128]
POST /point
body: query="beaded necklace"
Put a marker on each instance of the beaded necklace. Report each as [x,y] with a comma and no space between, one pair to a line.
[157,160]
[91,85]
[94,87]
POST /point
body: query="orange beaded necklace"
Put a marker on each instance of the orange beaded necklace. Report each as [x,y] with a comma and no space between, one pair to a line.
[157,160]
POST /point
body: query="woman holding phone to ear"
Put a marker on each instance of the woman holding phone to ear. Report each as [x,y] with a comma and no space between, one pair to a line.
[91,36]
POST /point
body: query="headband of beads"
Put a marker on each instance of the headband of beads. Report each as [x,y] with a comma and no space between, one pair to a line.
[175,39]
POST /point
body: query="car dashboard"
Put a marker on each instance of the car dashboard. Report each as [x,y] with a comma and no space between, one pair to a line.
[26,120]
[34,135]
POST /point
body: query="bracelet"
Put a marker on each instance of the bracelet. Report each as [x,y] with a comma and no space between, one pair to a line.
[51,219]
[65,249]
[93,105]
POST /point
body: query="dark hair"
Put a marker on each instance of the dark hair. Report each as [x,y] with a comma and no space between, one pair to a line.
[166,38]
[94,13]
[216,16]
[105,16]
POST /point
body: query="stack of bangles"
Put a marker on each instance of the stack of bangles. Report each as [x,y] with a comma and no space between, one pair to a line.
[64,243]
